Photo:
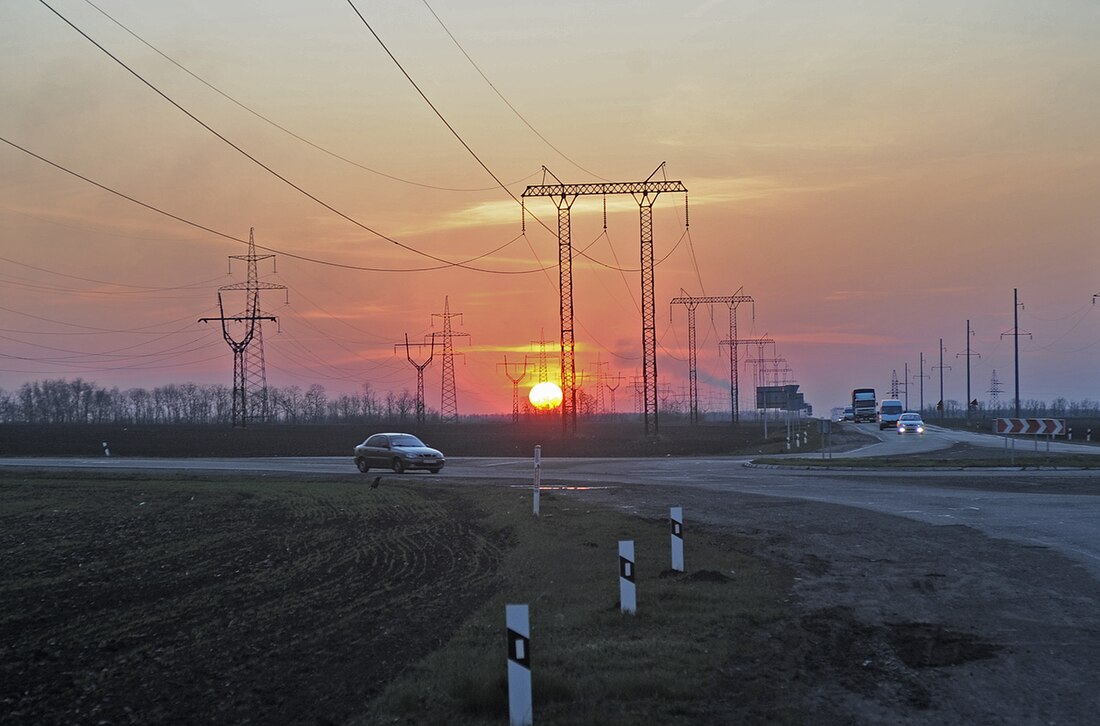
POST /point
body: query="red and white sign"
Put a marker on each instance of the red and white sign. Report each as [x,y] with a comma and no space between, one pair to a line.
[1037,426]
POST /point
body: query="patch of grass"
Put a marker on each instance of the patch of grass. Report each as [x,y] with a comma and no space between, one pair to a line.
[590,663]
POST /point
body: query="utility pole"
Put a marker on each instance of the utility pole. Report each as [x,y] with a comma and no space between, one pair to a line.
[906,385]
[693,389]
[419,373]
[1016,333]
[922,375]
[250,399]
[515,384]
[448,407]
[970,404]
[940,406]
[645,193]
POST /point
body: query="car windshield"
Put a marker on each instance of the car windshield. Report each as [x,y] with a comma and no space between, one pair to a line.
[910,417]
[407,440]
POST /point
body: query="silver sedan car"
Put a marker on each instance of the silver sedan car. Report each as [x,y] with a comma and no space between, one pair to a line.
[910,423]
[399,452]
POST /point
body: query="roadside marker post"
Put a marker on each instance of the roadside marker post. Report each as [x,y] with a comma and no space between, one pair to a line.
[520,712]
[676,518]
[628,596]
[538,476]
[106,449]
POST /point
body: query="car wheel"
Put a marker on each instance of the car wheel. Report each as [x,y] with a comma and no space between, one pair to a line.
[434,470]
[362,464]
[398,466]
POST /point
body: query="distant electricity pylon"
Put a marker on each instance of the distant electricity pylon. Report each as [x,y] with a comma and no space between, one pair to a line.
[895,389]
[448,407]
[250,399]
[645,193]
[693,387]
[994,391]
[516,380]
[419,373]
[735,342]
[541,371]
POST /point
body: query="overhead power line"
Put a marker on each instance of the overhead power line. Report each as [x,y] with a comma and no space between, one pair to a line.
[303,258]
[500,95]
[282,128]
[270,170]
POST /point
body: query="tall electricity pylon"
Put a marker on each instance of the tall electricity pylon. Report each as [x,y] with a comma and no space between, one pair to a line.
[541,371]
[515,384]
[895,387]
[420,409]
[645,193]
[735,342]
[994,391]
[693,387]
[448,407]
[941,407]
[250,399]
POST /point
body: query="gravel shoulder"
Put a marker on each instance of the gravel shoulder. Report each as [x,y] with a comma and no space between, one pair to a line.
[902,622]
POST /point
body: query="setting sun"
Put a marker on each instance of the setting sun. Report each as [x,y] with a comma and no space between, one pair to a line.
[545,396]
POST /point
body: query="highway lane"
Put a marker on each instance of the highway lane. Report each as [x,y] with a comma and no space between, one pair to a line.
[1054,509]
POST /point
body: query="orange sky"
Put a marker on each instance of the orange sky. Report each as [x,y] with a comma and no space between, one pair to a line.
[872,176]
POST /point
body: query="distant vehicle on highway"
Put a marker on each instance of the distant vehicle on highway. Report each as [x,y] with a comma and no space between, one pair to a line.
[399,452]
[910,423]
[864,408]
[848,415]
[890,410]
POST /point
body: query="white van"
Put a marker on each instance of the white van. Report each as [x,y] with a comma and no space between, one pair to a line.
[889,412]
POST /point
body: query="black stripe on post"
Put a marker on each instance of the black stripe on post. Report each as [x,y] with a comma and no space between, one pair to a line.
[519,649]
[626,569]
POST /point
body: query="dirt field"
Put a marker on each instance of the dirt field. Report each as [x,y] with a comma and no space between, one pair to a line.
[201,601]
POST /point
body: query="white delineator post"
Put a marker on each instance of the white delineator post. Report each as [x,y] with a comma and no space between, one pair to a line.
[519,665]
[628,596]
[106,449]
[538,476]
[676,519]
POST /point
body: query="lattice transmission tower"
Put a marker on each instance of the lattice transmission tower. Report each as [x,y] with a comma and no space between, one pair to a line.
[448,407]
[895,387]
[995,391]
[244,334]
[516,380]
[690,302]
[645,193]
[420,408]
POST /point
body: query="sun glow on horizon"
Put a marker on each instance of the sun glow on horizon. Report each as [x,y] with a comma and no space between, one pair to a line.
[545,396]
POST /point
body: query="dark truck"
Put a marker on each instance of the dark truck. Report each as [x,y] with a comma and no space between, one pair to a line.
[864,407]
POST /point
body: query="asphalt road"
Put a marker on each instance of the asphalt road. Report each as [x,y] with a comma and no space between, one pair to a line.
[1059,510]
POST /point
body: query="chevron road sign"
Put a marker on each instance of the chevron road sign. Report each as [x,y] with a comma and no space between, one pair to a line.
[1037,426]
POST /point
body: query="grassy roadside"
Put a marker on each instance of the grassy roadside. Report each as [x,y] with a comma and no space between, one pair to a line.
[591,664]
[135,597]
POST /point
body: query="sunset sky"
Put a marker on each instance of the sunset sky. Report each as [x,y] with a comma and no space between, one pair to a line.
[872,174]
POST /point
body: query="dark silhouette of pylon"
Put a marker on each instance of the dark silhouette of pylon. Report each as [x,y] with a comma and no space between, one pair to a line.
[693,387]
[541,370]
[448,407]
[515,384]
[645,193]
[250,399]
[894,386]
[618,378]
[419,373]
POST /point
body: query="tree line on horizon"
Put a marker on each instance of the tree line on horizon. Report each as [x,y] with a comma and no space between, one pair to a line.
[61,401]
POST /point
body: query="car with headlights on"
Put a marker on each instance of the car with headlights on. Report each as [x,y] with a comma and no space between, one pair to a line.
[400,452]
[910,423]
